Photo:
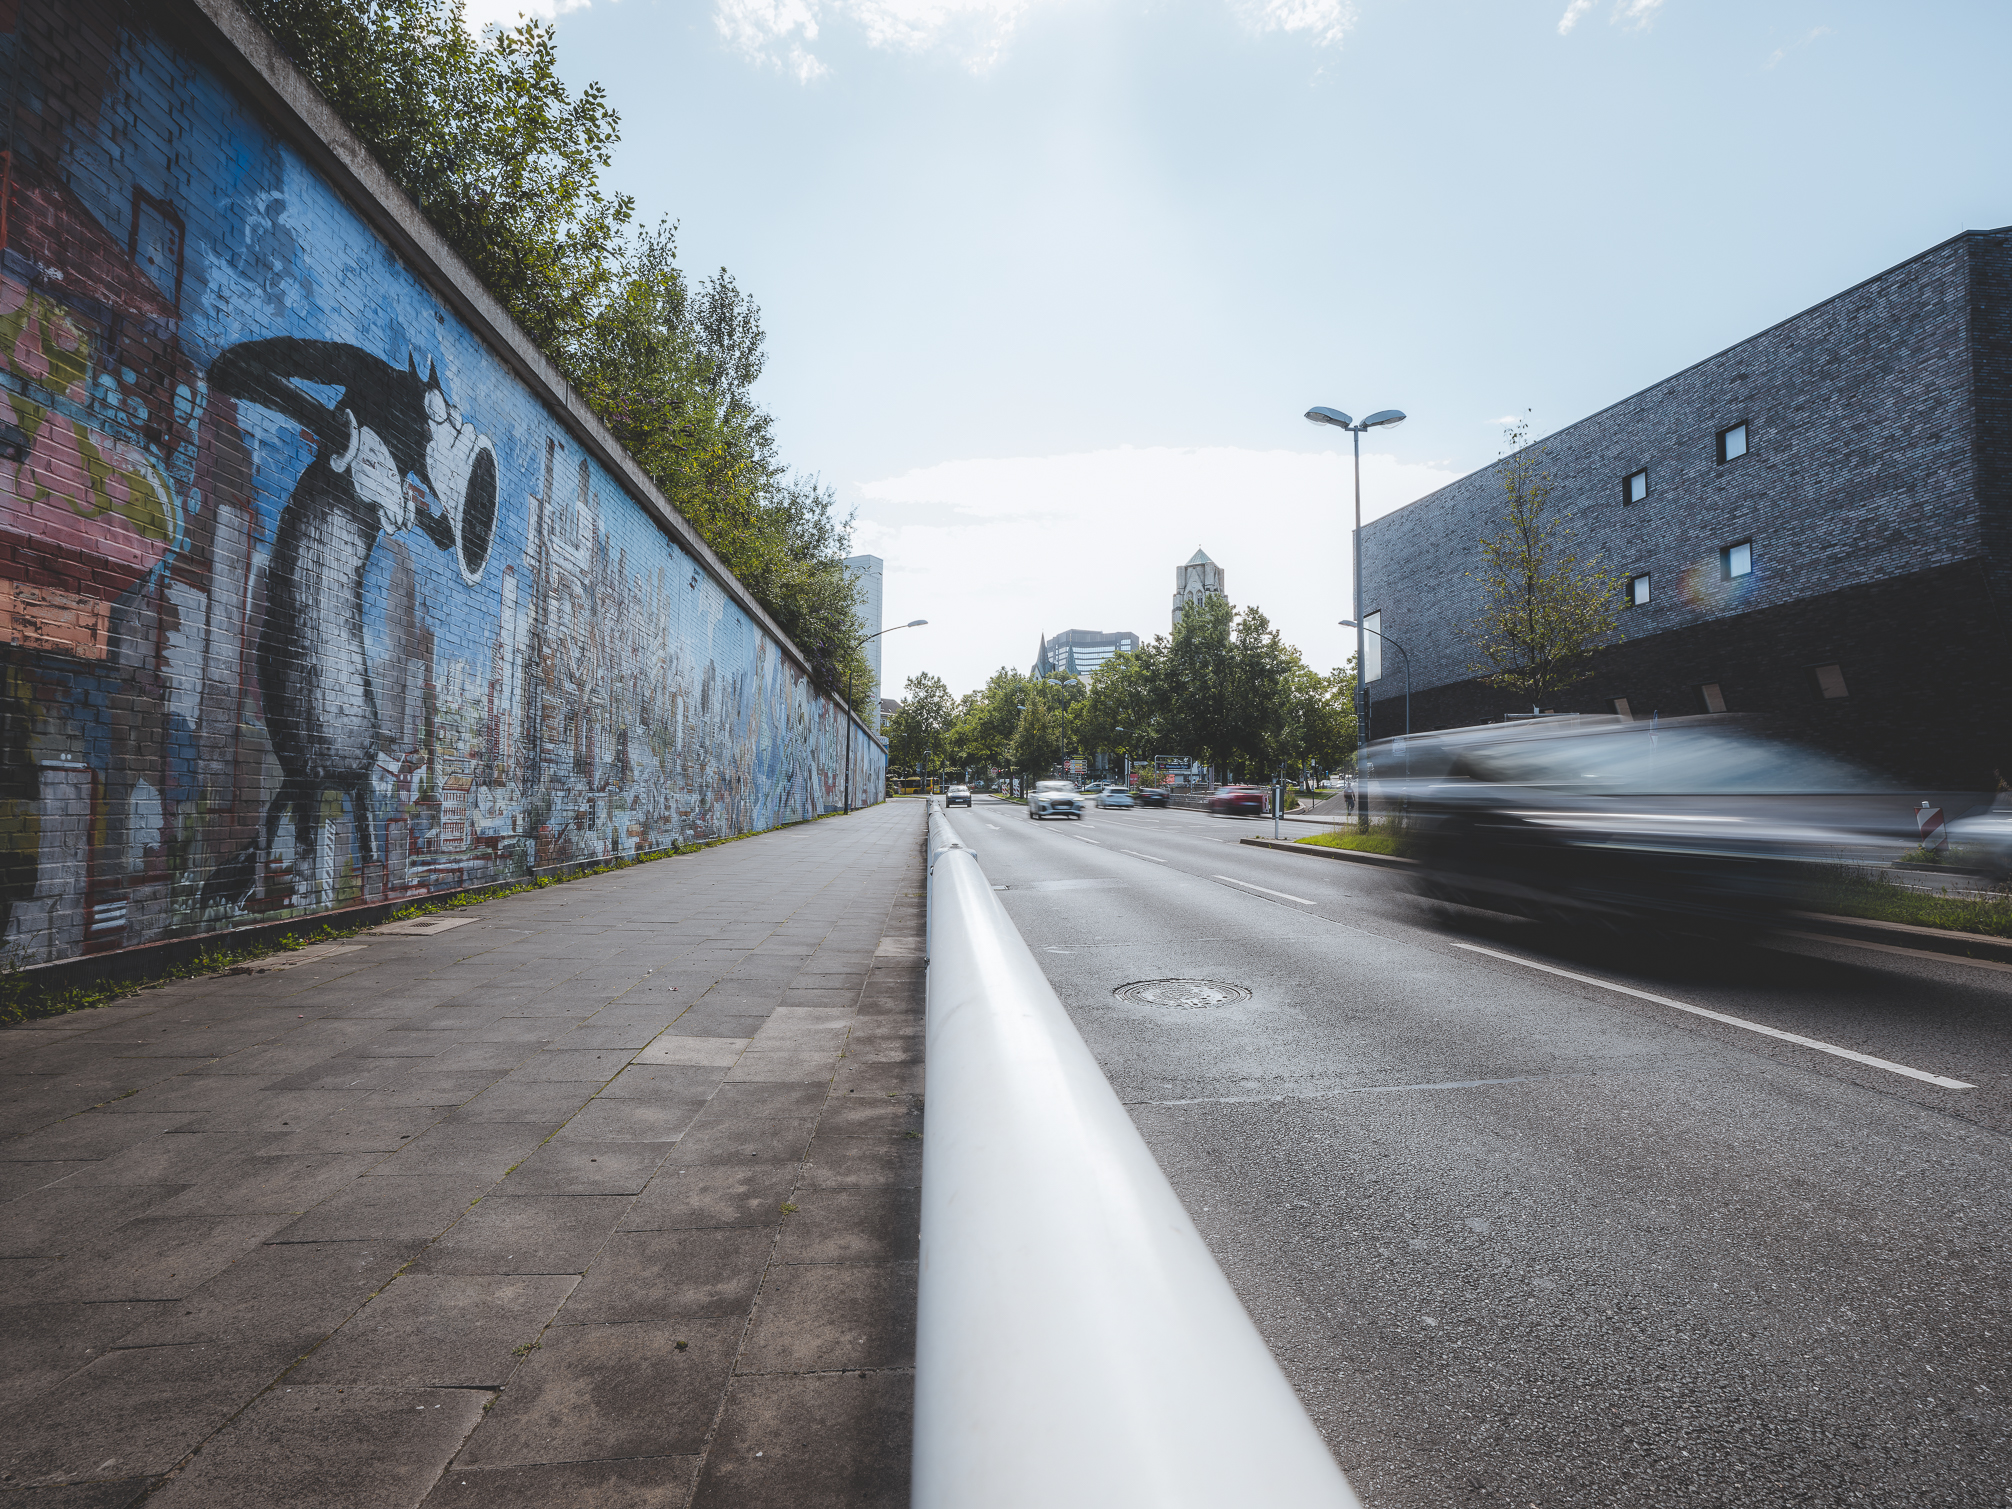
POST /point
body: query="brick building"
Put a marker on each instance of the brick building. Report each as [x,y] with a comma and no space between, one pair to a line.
[1813,527]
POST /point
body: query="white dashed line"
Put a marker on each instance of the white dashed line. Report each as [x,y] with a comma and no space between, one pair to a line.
[1285,896]
[1137,855]
[1730,1021]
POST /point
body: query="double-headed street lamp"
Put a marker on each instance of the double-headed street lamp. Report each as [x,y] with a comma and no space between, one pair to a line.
[1342,422]
[913,623]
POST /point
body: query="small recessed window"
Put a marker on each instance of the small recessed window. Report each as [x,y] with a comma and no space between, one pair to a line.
[1620,707]
[1635,486]
[1712,699]
[1732,443]
[1829,680]
[1638,590]
[1737,560]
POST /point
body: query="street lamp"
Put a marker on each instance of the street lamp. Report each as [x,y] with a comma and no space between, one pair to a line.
[913,623]
[1350,623]
[1342,422]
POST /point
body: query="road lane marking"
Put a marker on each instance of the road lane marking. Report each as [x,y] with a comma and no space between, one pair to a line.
[1082,840]
[1730,1021]
[1284,895]
[1137,855]
[1269,1100]
[995,827]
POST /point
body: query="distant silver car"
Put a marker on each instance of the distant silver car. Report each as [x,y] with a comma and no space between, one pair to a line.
[957,796]
[1115,796]
[1054,799]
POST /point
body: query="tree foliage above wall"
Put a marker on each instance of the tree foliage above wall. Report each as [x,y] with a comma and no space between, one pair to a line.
[506,162]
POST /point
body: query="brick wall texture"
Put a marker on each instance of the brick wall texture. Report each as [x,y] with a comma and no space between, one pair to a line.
[1874,492]
[308,600]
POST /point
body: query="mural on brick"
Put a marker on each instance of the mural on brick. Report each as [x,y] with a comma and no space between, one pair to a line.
[308,601]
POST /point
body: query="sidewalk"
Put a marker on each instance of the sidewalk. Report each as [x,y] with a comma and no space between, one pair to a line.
[603,1194]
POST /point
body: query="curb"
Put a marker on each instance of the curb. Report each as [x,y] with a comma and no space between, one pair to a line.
[1905,935]
[1317,851]
[1898,935]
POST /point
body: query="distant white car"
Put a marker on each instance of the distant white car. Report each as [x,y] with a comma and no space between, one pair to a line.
[1054,799]
[1115,796]
[957,796]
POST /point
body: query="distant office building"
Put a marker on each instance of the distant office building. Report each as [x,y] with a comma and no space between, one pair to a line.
[1080,651]
[1813,527]
[867,569]
[1199,578]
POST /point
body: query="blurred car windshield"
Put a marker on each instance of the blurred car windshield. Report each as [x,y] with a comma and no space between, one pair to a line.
[1680,762]
[1053,786]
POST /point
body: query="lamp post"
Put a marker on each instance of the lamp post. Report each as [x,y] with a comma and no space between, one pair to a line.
[1342,422]
[1350,623]
[913,623]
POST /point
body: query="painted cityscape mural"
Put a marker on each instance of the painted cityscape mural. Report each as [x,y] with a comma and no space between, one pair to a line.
[307,600]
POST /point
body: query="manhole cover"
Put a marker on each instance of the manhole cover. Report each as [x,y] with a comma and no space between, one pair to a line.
[1182,993]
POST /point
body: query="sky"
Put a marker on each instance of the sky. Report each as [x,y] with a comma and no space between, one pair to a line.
[1049,284]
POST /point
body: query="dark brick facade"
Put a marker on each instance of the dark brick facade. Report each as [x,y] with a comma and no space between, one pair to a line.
[1875,492]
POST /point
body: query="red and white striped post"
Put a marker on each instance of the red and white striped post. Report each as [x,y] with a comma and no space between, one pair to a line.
[1933,835]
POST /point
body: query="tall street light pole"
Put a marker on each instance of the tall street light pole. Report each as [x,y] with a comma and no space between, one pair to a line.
[913,623]
[1345,423]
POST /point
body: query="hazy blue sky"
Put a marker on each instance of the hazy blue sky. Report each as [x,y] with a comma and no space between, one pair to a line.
[1048,283]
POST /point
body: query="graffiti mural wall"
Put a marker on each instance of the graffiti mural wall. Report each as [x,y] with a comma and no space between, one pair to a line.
[307,601]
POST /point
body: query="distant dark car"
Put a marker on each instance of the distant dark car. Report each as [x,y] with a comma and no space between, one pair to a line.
[957,796]
[1153,796]
[1239,801]
[1694,824]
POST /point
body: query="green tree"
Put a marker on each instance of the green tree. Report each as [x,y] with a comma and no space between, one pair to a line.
[668,367]
[484,135]
[1547,610]
[1037,743]
[915,736]
[1116,712]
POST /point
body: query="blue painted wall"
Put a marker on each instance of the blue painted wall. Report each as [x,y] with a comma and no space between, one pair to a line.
[307,599]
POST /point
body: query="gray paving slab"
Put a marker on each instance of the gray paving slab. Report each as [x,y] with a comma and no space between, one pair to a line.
[622,1183]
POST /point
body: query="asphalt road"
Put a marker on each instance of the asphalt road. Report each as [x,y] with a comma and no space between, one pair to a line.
[1523,1239]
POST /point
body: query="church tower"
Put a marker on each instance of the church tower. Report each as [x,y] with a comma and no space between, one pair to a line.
[1199,578]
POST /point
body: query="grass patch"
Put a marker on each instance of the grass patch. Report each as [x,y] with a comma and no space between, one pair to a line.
[1384,837]
[1854,893]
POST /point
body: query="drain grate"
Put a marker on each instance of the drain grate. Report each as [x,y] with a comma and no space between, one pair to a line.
[1181,994]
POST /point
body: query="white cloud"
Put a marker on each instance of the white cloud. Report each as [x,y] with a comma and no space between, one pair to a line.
[1572,14]
[481,13]
[1801,42]
[1635,13]
[778,31]
[1505,419]
[1326,22]
[996,552]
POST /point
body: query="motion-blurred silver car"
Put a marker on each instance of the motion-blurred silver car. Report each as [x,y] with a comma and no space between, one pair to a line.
[1115,796]
[1693,822]
[1054,799]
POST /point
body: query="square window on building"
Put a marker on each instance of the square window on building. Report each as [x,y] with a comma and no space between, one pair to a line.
[1732,443]
[1713,699]
[1620,707]
[1635,486]
[1829,680]
[1638,590]
[1737,560]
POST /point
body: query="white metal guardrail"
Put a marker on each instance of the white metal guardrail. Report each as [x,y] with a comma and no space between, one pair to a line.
[1077,1346]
